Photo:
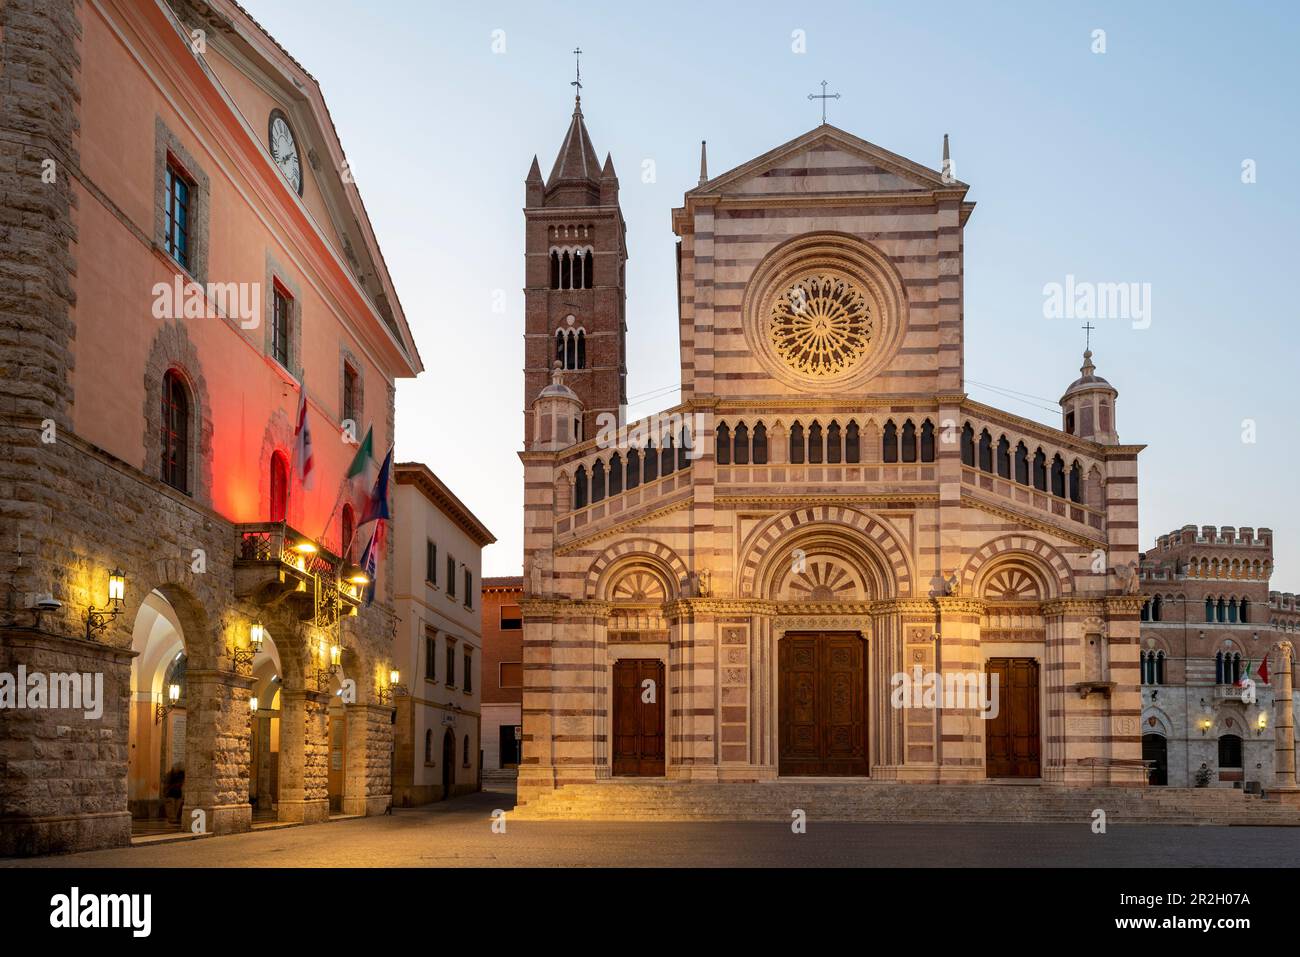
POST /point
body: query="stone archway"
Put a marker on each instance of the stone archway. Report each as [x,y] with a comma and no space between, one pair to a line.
[157,727]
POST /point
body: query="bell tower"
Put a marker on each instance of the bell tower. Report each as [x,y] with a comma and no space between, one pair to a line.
[574,295]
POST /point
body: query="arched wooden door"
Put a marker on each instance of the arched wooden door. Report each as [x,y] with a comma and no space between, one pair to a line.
[448,763]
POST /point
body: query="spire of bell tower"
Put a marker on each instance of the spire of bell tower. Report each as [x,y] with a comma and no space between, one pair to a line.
[704,162]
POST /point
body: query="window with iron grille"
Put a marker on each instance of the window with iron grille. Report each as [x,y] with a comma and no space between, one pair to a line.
[178,212]
[175,432]
[280,318]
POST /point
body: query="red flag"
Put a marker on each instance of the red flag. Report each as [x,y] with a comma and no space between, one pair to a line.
[303,460]
[1263,670]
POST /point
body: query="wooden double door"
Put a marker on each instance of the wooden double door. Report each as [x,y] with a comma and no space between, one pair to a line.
[637,744]
[822,706]
[1011,740]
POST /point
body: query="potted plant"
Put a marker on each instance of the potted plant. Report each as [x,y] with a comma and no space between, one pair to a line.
[1203,776]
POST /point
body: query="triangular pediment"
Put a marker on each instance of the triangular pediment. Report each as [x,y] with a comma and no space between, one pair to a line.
[826,160]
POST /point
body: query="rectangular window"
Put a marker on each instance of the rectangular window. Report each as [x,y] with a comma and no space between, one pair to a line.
[469,589]
[349,393]
[431,563]
[512,619]
[469,671]
[430,656]
[451,577]
[451,664]
[512,674]
[178,214]
[281,306]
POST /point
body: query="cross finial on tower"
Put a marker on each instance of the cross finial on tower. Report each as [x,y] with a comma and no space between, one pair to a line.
[577,75]
[823,96]
[1087,328]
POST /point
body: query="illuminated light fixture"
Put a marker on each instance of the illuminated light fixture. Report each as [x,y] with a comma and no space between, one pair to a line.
[1261,723]
[245,656]
[357,576]
[97,619]
[395,687]
[304,547]
[1204,725]
[161,710]
[336,656]
[256,636]
[252,705]
[394,676]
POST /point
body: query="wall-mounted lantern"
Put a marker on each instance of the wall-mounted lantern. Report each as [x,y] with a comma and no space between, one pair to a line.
[161,710]
[97,619]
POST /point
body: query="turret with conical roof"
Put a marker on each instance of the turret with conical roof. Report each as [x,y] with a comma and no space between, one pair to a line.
[1088,406]
[574,297]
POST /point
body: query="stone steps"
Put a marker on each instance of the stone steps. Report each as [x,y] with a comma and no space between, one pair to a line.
[900,803]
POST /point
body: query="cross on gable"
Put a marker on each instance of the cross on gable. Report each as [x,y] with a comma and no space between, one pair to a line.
[823,96]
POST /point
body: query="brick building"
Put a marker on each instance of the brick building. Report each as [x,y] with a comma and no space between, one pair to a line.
[1210,624]
[184,259]
[503,656]
[727,590]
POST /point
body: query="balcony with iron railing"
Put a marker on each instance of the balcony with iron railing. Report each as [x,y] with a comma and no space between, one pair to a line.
[275,563]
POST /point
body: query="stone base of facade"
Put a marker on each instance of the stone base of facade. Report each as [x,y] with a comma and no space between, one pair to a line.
[1287,796]
[28,837]
[368,806]
[304,812]
[224,818]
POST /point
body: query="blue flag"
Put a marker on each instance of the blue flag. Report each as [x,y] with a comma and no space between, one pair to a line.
[377,507]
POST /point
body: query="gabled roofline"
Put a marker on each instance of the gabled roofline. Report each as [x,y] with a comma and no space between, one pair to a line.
[436,491]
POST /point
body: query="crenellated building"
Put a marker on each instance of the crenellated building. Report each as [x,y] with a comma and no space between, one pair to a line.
[731,589]
[1208,627]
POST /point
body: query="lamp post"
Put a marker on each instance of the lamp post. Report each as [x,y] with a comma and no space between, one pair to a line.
[97,619]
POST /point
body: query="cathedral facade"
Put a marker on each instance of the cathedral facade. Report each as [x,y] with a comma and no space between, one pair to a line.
[827,560]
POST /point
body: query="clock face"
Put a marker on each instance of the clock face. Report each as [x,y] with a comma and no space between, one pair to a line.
[284,150]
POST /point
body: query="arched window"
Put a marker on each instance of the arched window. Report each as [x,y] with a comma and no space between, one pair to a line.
[796,444]
[175,432]
[1040,470]
[668,460]
[741,456]
[968,445]
[722,442]
[1235,670]
[1218,668]
[1022,463]
[1146,611]
[465,752]
[833,443]
[348,525]
[1229,751]
[1160,667]
[615,474]
[579,262]
[890,443]
[814,443]
[986,451]
[1209,609]
[1004,458]
[852,444]
[428,747]
[1244,609]
[1221,612]
[582,350]
[555,269]
[559,348]
[651,462]
[908,445]
[1058,476]
[570,351]
[1142,670]
[760,444]
[1076,482]
[633,468]
[1232,611]
[1155,608]
[566,272]
[927,441]
[279,487]
[683,446]
[589,274]
[597,481]
[580,487]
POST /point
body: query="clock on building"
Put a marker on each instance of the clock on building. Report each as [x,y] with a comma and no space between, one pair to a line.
[284,149]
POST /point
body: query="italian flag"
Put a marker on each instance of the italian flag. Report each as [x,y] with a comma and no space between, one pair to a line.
[304,463]
[361,473]
[1244,675]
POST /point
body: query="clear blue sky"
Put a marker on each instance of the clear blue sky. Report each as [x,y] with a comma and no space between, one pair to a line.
[1122,166]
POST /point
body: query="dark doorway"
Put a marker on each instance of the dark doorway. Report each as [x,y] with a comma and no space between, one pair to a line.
[509,749]
[823,704]
[638,746]
[1012,738]
[448,763]
[1155,755]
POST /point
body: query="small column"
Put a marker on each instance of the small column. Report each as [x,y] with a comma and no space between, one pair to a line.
[1284,784]
[368,785]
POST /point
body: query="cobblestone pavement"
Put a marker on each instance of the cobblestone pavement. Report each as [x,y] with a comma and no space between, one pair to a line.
[459,834]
